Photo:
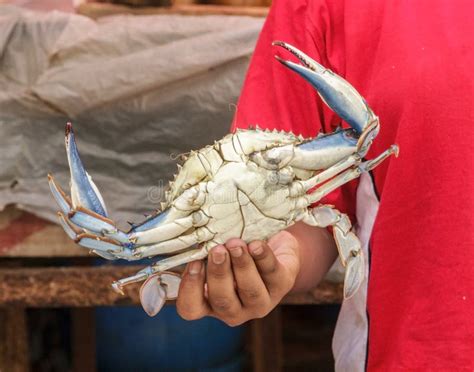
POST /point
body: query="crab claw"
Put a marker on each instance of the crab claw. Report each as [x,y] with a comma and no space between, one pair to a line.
[84,192]
[82,217]
[336,92]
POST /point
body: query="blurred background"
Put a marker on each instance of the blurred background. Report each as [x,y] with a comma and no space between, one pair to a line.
[143,81]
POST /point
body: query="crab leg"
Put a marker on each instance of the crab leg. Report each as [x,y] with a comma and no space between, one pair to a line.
[349,175]
[163,265]
[199,235]
[169,230]
[71,230]
[159,230]
[348,245]
[301,187]
[103,245]
[64,202]
[108,238]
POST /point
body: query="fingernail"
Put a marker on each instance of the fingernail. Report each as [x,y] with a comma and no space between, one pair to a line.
[236,251]
[256,249]
[218,255]
[195,267]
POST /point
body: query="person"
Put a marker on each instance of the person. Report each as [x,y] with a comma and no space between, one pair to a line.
[412,61]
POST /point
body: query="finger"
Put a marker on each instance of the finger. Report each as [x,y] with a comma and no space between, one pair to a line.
[191,303]
[270,269]
[251,289]
[220,285]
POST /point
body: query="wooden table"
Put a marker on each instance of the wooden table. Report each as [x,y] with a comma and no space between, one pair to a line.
[97,10]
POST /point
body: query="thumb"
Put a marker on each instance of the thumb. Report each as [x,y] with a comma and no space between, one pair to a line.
[286,249]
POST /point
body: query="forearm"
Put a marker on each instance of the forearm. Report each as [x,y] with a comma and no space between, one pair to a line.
[317,251]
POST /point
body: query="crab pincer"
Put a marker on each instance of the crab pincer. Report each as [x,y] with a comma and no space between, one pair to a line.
[335,91]
[84,192]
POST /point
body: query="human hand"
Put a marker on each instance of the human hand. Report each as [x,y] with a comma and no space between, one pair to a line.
[243,281]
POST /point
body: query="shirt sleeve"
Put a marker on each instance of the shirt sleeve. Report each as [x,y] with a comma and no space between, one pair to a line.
[273,97]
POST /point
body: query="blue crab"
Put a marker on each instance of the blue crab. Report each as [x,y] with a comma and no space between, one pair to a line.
[251,184]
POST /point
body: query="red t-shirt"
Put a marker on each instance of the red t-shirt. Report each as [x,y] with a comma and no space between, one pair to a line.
[412,61]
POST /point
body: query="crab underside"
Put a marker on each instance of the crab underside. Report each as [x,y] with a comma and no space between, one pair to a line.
[251,184]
